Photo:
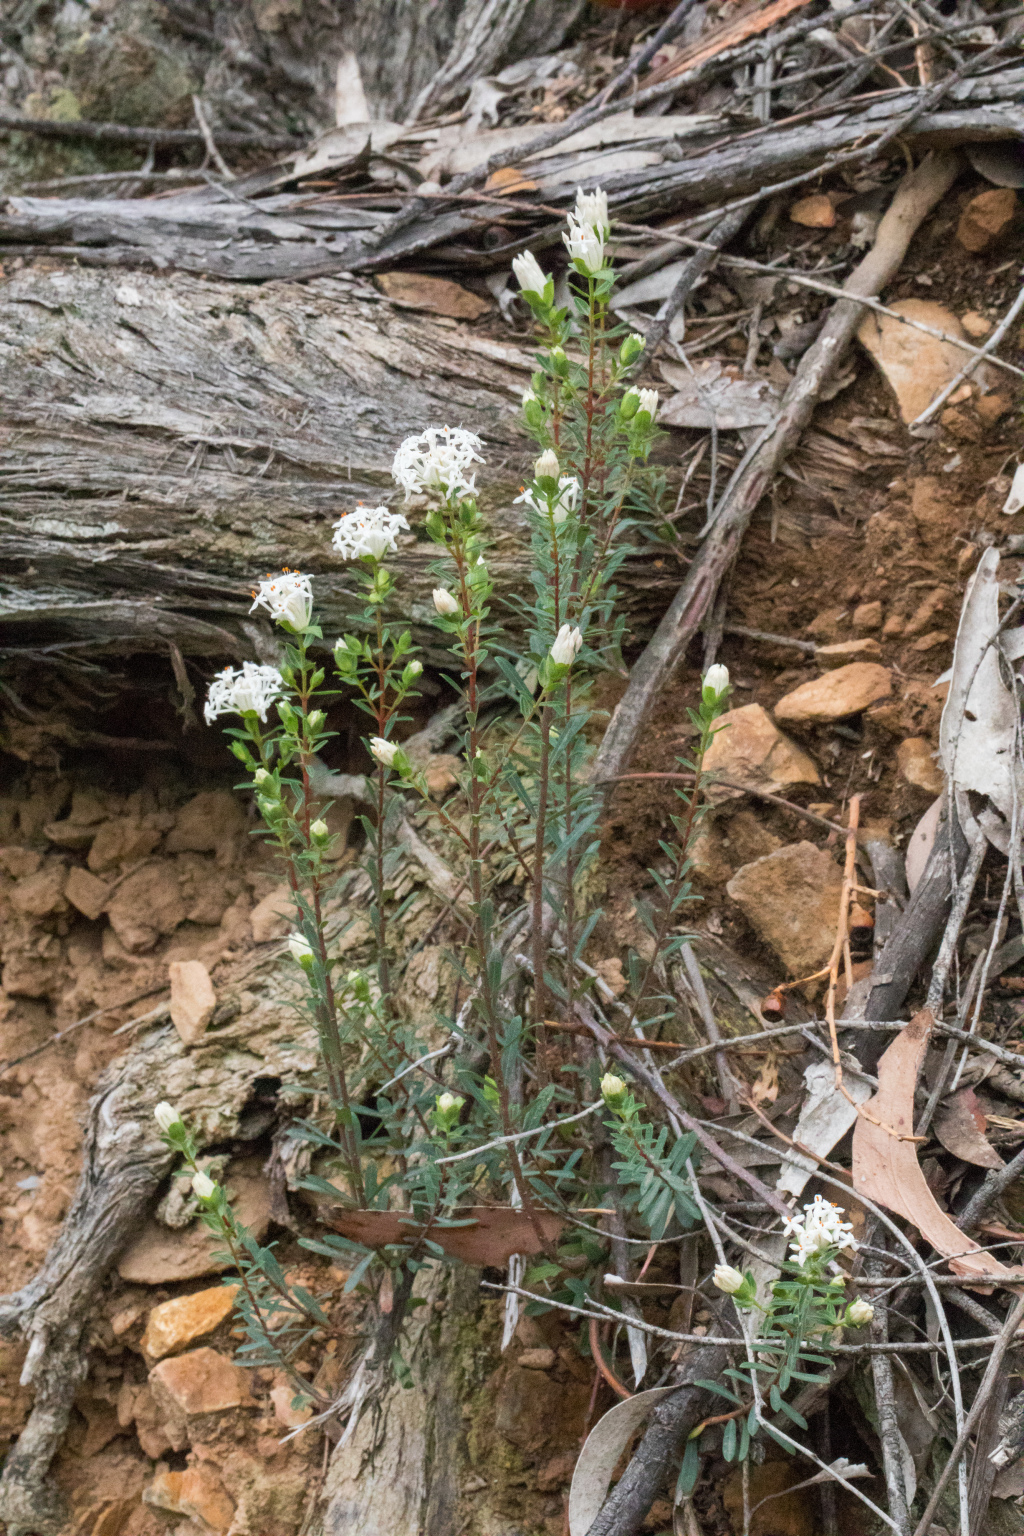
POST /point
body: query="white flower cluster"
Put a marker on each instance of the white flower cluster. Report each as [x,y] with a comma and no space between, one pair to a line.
[530,274]
[565,502]
[368,532]
[820,1227]
[288,599]
[249,690]
[588,229]
[436,463]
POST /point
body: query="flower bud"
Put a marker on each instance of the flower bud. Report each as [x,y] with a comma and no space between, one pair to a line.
[383,751]
[613,1089]
[859,1313]
[631,348]
[629,404]
[715,684]
[567,646]
[559,362]
[547,466]
[202,1185]
[446,1112]
[300,949]
[413,669]
[529,274]
[444,602]
[648,401]
[166,1116]
[260,776]
[316,721]
[728,1279]
[319,831]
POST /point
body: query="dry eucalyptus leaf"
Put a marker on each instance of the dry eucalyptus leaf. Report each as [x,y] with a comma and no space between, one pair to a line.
[496,1234]
[600,1454]
[960,1126]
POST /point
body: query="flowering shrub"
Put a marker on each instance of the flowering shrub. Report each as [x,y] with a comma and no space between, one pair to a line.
[491,1118]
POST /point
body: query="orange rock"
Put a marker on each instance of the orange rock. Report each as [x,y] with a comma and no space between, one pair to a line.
[917,366]
[208,823]
[925,612]
[198,1493]
[930,641]
[86,892]
[108,1518]
[831,656]
[750,748]
[147,905]
[846,691]
[975,325]
[537,1359]
[992,406]
[814,212]
[176,1323]
[986,217]
[867,616]
[791,899]
[202,1381]
[274,916]
[281,1396]
[915,763]
[193,1000]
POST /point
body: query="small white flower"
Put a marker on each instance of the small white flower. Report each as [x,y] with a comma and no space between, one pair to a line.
[716,680]
[299,947]
[444,603]
[530,275]
[372,532]
[288,599]
[319,829]
[592,208]
[384,751]
[547,466]
[166,1115]
[612,1087]
[648,401]
[820,1227]
[449,1103]
[203,1185]
[436,463]
[585,244]
[728,1279]
[249,690]
[567,646]
[859,1313]
[565,502]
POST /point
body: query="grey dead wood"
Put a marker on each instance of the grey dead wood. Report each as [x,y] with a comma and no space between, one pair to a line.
[918,194]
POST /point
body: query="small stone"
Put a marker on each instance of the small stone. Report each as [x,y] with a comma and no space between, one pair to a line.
[208,823]
[748,747]
[930,642]
[708,853]
[791,900]
[610,972]
[916,764]
[159,1255]
[917,366]
[197,1493]
[925,612]
[826,808]
[124,841]
[986,217]
[537,1359]
[439,295]
[847,691]
[202,1381]
[146,906]
[282,1397]
[867,616]
[832,656]
[274,916]
[814,212]
[992,407]
[825,626]
[86,892]
[892,627]
[975,325]
[41,894]
[914,712]
[176,1323]
[20,862]
[193,1000]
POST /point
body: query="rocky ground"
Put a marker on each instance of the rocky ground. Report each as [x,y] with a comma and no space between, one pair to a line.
[131,884]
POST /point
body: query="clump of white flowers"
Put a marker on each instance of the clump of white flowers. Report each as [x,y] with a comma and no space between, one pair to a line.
[561,505]
[247,690]
[588,230]
[288,599]
[369,532]
[529,273]
[567,645]
[820,1227]
[436,463]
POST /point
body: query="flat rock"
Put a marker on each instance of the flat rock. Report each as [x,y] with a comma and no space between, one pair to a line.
[161,1254]
[282,1397]
[832,656]
[198,1493]
[916,764]
[203,1381]
[986,217]
[86,892]
[123,841]
[791,900]
[749,747]
[41,894]
[846,691]
[207,824]
[175,1323]
[917,366]
[146,906]
[867,616]
[975,325]
[193,1000]
[274,916]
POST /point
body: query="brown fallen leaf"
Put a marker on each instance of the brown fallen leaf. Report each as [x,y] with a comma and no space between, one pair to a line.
[960,1126]
[509,179]
[439,295]
[814,212]
[886,1169]
[496,1234]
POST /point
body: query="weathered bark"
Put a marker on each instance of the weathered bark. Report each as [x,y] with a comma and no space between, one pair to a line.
[163,441]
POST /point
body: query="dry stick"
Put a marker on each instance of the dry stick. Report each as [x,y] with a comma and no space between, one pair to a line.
[687,280]
[1009,1328]
[159,138]
[665,33]
[968,368]
[747,789]
[888,1421]
[917,195]
[992,1186]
